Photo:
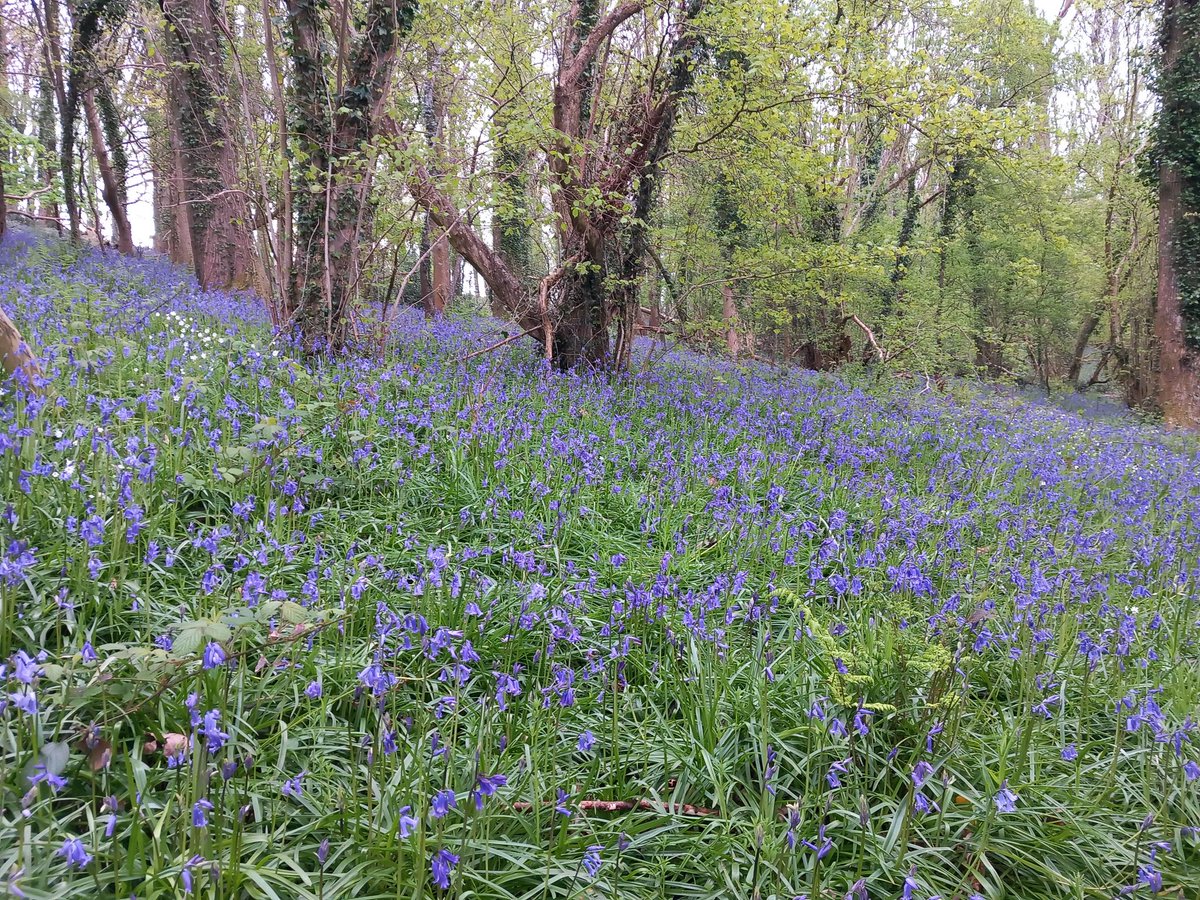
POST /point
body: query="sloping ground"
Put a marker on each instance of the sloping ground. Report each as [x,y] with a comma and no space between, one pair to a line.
[433,625]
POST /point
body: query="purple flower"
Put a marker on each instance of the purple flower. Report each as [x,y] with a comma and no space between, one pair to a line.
[823,844]
[406,822]
[1005,799]
[1069,753]
[313,691]
[323,852]
[937,729]
[487,785]
[1191,770]
[1151,877]
[561,806]
[200,812]
[591,860]
[586,741]
[443,864]
[211,731]
[74,853]
[294,786]
[214,655]
[42,774]
[88,653]
[837,769]
[443,802]
[921,773]
[923,804]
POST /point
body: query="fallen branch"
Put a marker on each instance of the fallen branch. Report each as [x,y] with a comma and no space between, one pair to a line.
[870,336]
[614,806]
[499,344]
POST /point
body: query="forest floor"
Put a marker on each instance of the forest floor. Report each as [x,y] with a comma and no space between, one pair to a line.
[435,624]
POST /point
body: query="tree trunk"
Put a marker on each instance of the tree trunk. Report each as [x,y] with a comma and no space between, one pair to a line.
[581,333]
[730,317]
[222,247]
[14,352]
[48,139]
[111,187]
[1179,365]
[3,209]
[435,267]
[1084,336]
[334,213]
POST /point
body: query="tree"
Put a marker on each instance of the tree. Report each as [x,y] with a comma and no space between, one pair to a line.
[603,184]
[1177,317]
[207,168]
[334,127]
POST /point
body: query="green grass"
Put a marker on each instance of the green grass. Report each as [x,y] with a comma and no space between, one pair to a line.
[671,544]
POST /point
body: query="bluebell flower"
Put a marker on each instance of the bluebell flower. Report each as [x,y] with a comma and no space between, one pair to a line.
[214,655]
[486,786]
[442,865]
[442,803]
[591,860]
[822,845]
[561,805]
[75,853]
[1005,799]
[294,786]
[406,821]
[200,811]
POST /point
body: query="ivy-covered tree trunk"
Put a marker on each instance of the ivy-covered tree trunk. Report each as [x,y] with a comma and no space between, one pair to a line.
[1177,316]
[90,19]
[3,206]
[331,174]
[511,232]
[222,247]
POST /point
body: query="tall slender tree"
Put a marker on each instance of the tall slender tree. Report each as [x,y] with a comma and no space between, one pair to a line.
[1177,318]
[209,183]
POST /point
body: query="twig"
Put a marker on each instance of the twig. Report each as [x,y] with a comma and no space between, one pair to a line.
[683,809]
[499,344]
[870,336]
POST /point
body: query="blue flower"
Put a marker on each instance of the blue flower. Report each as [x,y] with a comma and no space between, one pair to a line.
[586,741]
[823,847]
[486,787]
[443,864]
[214,655]
[443,802]
[561,806]
[214,737]
[1005,799]
[591,859]
[294,786]
[407,822]
[75,853]
[200,812]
